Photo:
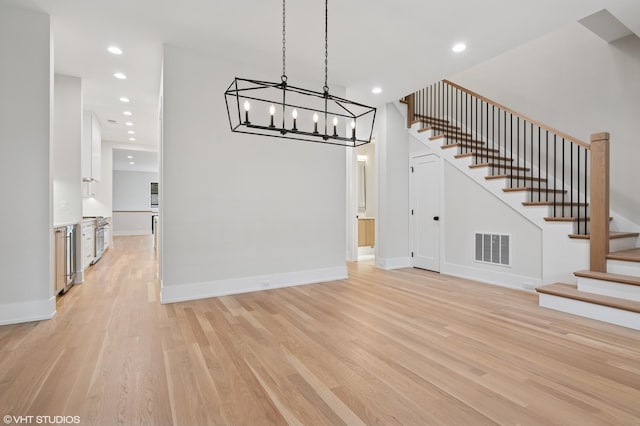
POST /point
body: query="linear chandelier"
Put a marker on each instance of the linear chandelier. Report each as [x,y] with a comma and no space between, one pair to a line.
[284,111]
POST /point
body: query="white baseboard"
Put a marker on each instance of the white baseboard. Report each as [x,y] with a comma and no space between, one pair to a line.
[36,310]
[591,310]
[503,279]
[131,232]
[181,293]
[390,263]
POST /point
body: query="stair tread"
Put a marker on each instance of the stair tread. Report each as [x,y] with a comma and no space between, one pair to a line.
[427,117]
[432,126]
[456,137]
[552,203]
[501,166]
[508,176]
[612,235]
[568,219]
[528,188]
[483,155]
[630,255]
[470,146]
[571,292]
[607,276]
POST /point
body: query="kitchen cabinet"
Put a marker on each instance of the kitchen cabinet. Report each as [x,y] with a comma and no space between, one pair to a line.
[91,147]
[88,242]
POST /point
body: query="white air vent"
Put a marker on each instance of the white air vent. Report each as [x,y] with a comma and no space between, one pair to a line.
[493,248]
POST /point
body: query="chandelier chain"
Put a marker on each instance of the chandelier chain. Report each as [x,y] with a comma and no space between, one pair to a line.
[284,42]
[326,46]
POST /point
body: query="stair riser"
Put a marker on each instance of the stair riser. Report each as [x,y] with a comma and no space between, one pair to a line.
[591,310]
[608,288]
[623,268]
[486,158]
[619,244]
[569,211]
[465,150]
[582,227]
[544,196]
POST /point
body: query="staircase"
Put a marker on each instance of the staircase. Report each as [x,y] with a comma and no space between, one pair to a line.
[551,172]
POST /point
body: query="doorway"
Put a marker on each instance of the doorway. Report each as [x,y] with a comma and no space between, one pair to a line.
[424,195]
[365,202]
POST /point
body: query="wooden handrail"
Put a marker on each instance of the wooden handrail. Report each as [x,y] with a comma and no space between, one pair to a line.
[522,116]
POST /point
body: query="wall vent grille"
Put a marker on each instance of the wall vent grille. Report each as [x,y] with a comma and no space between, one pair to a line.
[493,248]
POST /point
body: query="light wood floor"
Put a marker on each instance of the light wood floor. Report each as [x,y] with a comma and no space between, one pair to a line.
[406,347]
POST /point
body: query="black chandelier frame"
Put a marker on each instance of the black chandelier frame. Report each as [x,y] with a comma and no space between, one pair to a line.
[284,96]
[346,109]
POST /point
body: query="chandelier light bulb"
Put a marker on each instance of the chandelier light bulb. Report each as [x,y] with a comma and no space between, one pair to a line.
[353,124]
[335,121]
[247,107]
[294,114]
[315,123]
[353,129]
[272,110]
[315,117]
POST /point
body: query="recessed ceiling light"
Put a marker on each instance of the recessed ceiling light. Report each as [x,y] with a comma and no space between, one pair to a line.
[459,47]
[115,50]
[132,162]
[127,113]
[131,132]
[376,90]
[132,139]
[129,157]
[128,123]
[124,99]
[120,76]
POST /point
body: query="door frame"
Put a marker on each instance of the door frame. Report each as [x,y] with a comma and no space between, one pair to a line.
[441,243]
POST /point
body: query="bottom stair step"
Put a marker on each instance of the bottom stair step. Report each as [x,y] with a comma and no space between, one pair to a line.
[567,298]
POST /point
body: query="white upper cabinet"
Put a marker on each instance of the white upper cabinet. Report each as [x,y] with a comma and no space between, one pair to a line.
[91,147]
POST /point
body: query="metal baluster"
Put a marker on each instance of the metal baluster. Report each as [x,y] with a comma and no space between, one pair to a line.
[539,163]
[555,172]
[563,182]
[578,205]
[518,148]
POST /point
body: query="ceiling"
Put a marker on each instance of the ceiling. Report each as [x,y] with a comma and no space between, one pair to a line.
[370,43]
[144,161]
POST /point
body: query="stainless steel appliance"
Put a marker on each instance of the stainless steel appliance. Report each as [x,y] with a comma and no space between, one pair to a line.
[102,224]
[65,257]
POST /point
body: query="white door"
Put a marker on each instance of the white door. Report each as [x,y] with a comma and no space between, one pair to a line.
[425,212]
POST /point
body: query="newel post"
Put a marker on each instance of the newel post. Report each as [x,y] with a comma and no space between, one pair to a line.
[599,203]
[411,102]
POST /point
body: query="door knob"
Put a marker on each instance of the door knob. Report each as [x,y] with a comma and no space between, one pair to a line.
[436,218]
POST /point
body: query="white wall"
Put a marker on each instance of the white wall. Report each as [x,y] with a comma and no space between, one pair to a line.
[240,212]
[393,189]
[132,190]
[576,82]
[469,208]
[26,83]
[132,202]
[101,203]
[67,120]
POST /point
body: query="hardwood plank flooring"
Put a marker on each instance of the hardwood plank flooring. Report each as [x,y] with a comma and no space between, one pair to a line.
[406,347]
